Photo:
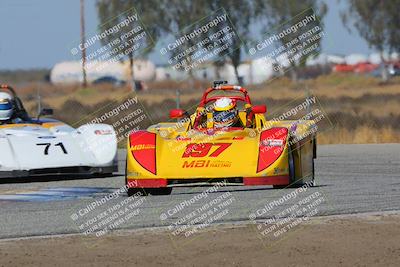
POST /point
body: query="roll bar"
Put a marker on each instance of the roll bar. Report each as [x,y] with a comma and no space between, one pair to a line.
[223,85]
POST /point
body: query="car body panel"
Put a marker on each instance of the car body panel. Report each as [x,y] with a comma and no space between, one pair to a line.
[47,146]
[27,147]
[260,152]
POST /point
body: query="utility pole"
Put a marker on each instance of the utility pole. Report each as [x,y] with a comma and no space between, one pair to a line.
[84,82]
[178,99]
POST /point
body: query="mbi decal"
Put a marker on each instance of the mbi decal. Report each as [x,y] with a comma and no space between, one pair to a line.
[205,150]
[206,164]
[142,147]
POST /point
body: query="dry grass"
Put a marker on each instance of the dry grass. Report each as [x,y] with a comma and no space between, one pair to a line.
[361,109]
[359,135]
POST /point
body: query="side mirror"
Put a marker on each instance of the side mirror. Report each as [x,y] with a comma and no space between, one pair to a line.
[46,111]
[177,113]
[261,109]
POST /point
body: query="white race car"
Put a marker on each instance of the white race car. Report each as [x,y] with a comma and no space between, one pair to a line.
[30,147]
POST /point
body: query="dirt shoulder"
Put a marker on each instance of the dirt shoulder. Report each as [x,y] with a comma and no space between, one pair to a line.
[355,240]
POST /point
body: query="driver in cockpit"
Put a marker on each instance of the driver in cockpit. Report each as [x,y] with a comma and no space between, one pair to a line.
[6,108]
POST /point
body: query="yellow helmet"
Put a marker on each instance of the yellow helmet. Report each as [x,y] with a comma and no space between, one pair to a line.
[225,113]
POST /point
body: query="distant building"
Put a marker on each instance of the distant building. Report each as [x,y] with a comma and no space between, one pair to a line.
[70,72]
[251,72]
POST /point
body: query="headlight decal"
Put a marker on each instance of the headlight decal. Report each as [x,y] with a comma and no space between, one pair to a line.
[143,149]
[271,146]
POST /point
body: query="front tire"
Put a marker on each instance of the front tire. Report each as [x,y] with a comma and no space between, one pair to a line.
[162,191]
[145,191]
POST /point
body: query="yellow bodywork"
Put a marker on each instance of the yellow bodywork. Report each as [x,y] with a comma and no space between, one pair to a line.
[20,125]
[237,158]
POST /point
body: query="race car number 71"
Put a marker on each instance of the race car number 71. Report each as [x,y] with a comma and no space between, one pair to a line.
[47,146]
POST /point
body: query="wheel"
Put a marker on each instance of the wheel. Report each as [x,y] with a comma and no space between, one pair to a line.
[293,183]
[145,191]
[313,183]
[299,182]
[133,191]
[279,186]
[291,173]
[160,191]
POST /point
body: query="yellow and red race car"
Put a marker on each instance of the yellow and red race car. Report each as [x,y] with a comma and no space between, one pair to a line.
[253,151]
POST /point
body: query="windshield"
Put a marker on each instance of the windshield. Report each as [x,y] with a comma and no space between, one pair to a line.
[227,93]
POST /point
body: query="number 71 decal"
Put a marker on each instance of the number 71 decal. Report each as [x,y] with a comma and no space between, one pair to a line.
[47,146]
[203,150]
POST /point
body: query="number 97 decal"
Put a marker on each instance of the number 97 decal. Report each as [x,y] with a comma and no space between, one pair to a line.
[204,149]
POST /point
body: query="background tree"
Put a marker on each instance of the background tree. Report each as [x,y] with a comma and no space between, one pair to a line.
[182,17]
[394,25]
[240,17]
[111,12]
[393,11]
[377,22]
[282,14]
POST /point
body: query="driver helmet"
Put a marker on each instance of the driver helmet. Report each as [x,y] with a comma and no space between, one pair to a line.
[225,113]
[6,106]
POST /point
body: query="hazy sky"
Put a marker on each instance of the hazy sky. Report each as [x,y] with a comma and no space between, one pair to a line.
[40,33]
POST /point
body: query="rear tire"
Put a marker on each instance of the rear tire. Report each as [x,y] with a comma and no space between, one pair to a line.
[299,182]
[292,176]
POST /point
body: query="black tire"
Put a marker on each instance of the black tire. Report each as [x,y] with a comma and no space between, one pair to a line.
[291,173]
[133,191]
[313,183]
[145,191]
[300,182]
[279,186]
[162,191]
[150,191]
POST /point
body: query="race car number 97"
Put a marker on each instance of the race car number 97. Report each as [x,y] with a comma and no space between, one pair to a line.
[47,146]
[203,149]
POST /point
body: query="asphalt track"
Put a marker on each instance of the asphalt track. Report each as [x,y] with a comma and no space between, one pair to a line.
[350,179]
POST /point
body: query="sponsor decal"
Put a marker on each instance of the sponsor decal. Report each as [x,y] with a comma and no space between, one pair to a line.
[142,147]
[206,164]
[273,142]
[103,132]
